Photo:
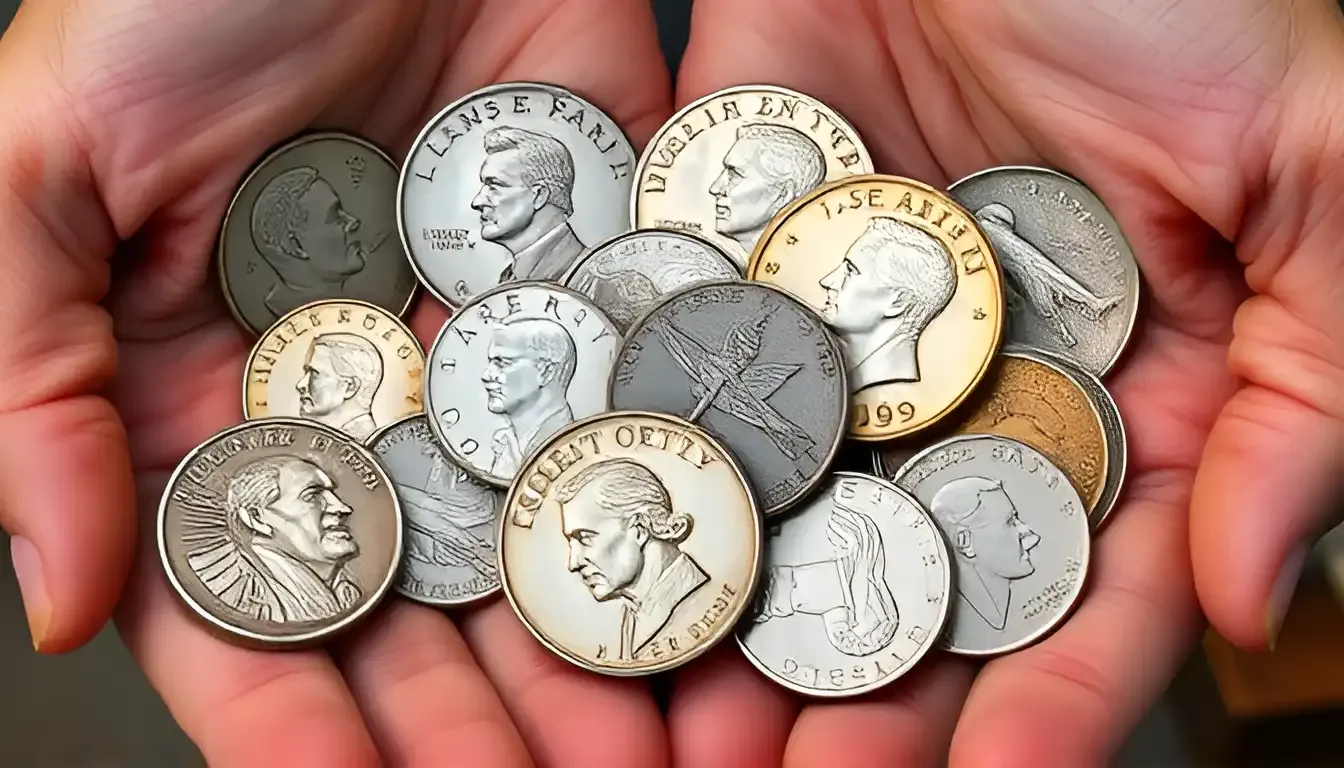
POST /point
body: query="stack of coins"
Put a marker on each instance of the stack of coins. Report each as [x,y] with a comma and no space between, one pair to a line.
[739,385]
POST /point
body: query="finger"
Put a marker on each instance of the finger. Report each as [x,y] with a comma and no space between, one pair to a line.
[724,713]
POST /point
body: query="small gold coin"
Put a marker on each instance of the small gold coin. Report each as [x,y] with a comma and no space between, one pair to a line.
[910,284]
[348,364]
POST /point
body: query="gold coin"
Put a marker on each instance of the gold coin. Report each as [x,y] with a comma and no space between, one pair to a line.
[910,284]
[348,364]
[724,165]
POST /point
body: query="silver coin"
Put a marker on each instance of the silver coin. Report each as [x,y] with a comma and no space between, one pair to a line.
[1018,534]
[513,367]
[511,182]
[625,275]
[751,365]
[1072,280]
[448,555]
[855,590]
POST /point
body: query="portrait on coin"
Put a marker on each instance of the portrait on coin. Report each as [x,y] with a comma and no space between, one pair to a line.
[530,363]
[892,282]
[449,521]
[767,167]
[341,375]
[525,202]
[624,538]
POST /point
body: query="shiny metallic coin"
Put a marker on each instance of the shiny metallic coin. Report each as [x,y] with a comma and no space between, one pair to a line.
[346,364]
[855,591]
[751,365]
[627,274]
[631,543]
[1018,533]
[315,219]
[449,553]
[511,182]
[1072,279]
[280,532]
[513,367]
[728,162]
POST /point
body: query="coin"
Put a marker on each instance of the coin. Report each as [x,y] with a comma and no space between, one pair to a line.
[626,274]
[908,282]
[511,182]
[315,219]
[347,364]
[513,367]
[1018,534]
[752,366]
[855,590]
[658,530]
[728,162]
[449,517]
[279,532]
[1072,281]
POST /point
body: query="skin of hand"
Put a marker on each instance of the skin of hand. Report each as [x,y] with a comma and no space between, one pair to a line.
[1213,129]
[126,129]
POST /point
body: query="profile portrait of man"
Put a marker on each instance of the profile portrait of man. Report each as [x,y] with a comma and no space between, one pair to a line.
[991,544]
[530,363]
[301,230]
[624,537]
[893,281]
[767,167]
[341,374]
[525,201]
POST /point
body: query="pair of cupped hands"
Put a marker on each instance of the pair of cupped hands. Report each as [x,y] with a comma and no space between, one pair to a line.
[1213,129]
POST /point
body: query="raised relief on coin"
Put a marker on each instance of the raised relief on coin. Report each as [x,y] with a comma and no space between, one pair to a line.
[280,531]
[627,274]
[346,364]
[631,543]
[753,367]
[511,182]
[908,282]
[1018,532]
[855,590]
[512,368]
[450,516]
[316,219]
[724,165]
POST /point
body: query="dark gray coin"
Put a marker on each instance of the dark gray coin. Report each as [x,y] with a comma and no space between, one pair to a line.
[1071,278]
[316,219]
[280,532]
[449,553]
[627,274]
[755,368]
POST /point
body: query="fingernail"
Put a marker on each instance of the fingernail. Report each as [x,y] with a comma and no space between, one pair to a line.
[33,587]
[1281,594]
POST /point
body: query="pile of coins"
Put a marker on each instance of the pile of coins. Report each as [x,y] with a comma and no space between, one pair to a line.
[742,384]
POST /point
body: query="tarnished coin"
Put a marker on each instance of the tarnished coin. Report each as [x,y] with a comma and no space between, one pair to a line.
[751,365]
[728,162]
[513,367]
[280,532]
[631,543]
[1018,534]
[347,364]
[1072,280]
[855,590]
[625,275]
[511,182]
[315,219]
[908,282]
[449,552]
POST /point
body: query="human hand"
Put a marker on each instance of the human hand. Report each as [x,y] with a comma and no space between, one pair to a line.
[126,131]
[1201,123]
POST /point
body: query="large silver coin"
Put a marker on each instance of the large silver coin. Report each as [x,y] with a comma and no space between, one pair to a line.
[1018,533]
[753,366]
[513,367]
[855,591]
[511,182]
[1071,277]
[627,274]
[449,552]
